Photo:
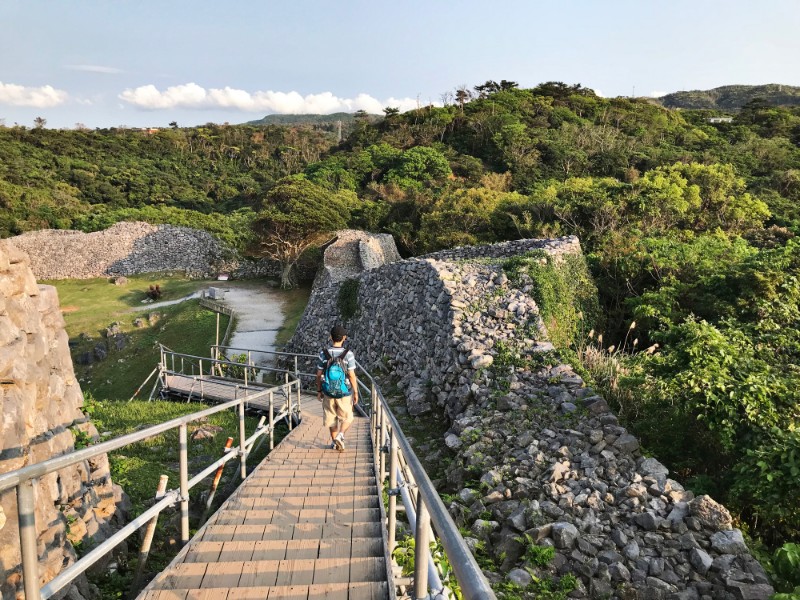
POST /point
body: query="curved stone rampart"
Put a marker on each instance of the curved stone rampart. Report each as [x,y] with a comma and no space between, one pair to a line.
[538,458]
[122,249]
[41,407]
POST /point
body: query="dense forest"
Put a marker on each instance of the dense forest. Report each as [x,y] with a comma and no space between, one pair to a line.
[689,227]
[733,97]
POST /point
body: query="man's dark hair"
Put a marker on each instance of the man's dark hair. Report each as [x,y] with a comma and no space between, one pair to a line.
[337,333]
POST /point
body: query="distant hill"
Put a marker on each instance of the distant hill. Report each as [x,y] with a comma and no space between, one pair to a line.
[346,119]
[733,97]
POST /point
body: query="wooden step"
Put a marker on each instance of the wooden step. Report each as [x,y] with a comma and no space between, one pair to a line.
[289,531]
[289,502]
[270,573]
[359,547]
[295,515]
[366,590]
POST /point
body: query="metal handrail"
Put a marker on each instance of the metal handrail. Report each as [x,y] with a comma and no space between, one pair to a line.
[388,438]
[387,434]
[24,479]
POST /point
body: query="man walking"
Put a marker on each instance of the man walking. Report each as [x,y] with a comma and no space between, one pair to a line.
[337,386]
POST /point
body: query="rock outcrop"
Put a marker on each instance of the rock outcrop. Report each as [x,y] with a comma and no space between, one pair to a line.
[538,458]
[41,407]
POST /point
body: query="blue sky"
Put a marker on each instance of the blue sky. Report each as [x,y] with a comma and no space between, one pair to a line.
[146,63]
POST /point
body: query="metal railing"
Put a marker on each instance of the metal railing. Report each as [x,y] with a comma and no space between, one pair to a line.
[423,508]
[394,459]
[25,479]
[405,474]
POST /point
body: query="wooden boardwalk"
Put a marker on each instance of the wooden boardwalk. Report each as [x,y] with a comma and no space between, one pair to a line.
[305,525]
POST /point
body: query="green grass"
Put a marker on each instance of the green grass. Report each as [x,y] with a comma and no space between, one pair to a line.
[295,302]
[89,306]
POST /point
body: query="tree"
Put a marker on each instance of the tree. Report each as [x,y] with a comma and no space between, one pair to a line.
[296,215]
[39,122]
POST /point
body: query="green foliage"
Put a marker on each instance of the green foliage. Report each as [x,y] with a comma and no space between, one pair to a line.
[787,563]
[89,179]
[296,215]
[538,555]
[563,290]
[347,300]
[80,437]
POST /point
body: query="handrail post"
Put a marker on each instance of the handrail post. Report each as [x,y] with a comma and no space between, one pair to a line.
[287,390]
[245,375]
[393,462]
[26,506]
[382,440]
[271,422]
[242,438]
[373,396]
[299,398]
[149,532]
[422,548]
[296,370]
[184,467]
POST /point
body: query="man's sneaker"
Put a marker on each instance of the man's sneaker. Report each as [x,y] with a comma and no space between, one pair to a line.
[339,442]
[332,446]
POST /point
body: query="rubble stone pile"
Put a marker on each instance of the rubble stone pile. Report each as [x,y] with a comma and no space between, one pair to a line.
[539,460]
[123,249]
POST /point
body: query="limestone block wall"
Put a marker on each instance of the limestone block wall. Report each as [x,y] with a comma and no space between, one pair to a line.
[123,249]
[40,400]
[538,457]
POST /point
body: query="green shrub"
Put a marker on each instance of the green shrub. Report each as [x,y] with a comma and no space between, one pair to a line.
[347,300]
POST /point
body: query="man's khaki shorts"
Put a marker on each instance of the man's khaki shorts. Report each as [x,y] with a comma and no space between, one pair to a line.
[336,408]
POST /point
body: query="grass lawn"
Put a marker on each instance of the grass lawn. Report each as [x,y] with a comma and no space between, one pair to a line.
[90,306]
[294,305]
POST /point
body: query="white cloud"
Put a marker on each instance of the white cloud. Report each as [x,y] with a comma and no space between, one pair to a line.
[45,96]
[657,94]
[599,93]
[95,69]
[191,95]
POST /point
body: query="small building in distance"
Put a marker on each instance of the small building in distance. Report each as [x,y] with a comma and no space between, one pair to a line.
[720,119]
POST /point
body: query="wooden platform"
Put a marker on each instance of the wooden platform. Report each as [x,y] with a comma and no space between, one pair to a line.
[215,390]
[305,525]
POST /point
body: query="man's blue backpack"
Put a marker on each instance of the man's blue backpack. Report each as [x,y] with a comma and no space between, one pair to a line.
[334,378]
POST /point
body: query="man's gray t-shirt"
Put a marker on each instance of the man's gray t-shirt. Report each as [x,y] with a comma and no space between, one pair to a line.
[350,359]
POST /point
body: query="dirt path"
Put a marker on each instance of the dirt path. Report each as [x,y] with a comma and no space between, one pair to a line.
[260,313]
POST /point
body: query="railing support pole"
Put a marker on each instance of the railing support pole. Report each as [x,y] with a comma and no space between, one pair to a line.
[288,391]
[242,439]
[381,447]
[393,463]
[26,506]
[271,421]
[149,532]
[422,548]
[217,476]
[184,467]
[299,398]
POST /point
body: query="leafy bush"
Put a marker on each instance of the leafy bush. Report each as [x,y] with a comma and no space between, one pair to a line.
[347,300]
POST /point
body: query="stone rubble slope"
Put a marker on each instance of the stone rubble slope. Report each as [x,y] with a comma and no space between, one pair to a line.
[122,249]
[41,404]
[539,458]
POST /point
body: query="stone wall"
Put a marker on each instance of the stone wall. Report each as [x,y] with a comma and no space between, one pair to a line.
[352,252]
[41,407]
[124,249]
[537,457]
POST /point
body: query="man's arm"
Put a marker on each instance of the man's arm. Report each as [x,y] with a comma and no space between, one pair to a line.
[354,384]
[319,384]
